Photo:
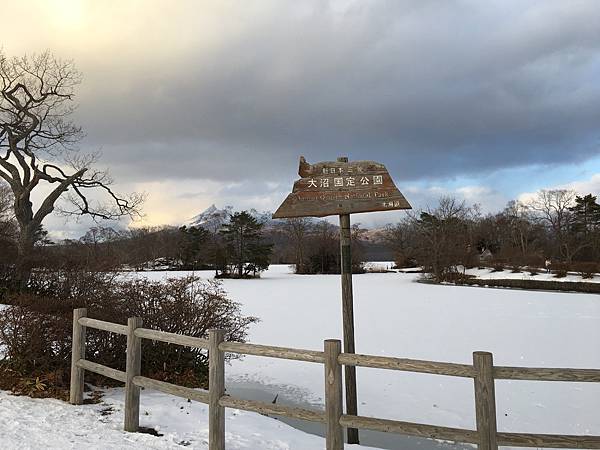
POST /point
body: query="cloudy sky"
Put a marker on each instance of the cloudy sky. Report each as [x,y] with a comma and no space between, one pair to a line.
[201,102]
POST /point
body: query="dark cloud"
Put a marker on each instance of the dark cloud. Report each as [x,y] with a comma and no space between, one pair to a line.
[432,88]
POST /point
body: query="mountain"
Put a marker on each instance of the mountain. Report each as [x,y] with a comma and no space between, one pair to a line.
[376,235]
[211,218]
[374,243]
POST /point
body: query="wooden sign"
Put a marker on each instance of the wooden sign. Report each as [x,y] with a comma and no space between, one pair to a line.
[336,188]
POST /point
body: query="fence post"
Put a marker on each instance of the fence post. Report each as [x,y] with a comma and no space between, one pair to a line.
[216,389]
[333,395]
[485,400]
[133,369]
[77,353]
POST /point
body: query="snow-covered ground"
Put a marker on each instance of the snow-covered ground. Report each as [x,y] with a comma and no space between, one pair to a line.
[489,274]
[394,317]
[27,423]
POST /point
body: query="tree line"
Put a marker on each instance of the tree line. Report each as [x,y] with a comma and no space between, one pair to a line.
[555,229]
[238,249]
[555,226]
[241,246]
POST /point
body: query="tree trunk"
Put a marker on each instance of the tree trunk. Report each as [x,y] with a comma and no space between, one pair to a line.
[24,214]
[241,256]
[25,257]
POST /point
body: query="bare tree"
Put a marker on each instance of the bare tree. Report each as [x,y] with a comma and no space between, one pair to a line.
[519,225]
[38,146]
[297,229]
[552,209]
[357,242]
[400,238]
[444,237]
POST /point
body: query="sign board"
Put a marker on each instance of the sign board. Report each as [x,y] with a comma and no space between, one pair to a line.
[336,188]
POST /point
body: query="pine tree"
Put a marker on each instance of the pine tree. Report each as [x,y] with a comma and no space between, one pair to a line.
[192,247]
[246,249]
[585,226]
[586,214]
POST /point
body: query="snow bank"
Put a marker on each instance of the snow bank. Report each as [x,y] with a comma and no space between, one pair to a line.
[28,423]
[488,274]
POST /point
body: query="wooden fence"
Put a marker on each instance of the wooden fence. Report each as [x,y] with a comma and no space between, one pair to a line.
[482,371]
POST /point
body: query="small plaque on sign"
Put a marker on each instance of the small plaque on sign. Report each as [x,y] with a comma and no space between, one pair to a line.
[341,187]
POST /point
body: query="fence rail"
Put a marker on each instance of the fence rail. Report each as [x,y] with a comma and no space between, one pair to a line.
[482,371]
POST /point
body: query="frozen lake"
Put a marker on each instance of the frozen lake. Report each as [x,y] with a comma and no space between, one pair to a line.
[395,316]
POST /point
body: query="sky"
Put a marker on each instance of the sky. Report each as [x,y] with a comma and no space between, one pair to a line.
[202,102]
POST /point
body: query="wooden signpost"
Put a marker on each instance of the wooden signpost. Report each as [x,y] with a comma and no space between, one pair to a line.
[341,188]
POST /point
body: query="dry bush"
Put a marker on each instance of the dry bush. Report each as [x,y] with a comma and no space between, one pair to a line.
[36,328]
[457,277]
[559,269]
[498,265]
[7,275]
[403,260]
[515,268]
[533,261]
[587,270]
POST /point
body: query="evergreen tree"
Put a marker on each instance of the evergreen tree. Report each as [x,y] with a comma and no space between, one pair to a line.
[586,214]
[585,226]
[192,249]
[246,249]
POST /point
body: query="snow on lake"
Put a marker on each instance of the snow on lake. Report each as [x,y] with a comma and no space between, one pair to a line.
[395,316]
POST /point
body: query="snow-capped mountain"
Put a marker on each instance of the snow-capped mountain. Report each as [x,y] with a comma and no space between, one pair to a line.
[213,218]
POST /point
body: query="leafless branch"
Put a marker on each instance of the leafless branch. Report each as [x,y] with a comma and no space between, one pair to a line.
[38,144]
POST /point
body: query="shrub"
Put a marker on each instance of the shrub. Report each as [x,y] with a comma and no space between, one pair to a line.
[533,260]
[7,276]
[587,270]
[457,277]
[498,265]
[36,328]
[559,269]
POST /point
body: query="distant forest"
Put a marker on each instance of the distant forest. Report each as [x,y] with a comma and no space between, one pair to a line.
[556,228]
